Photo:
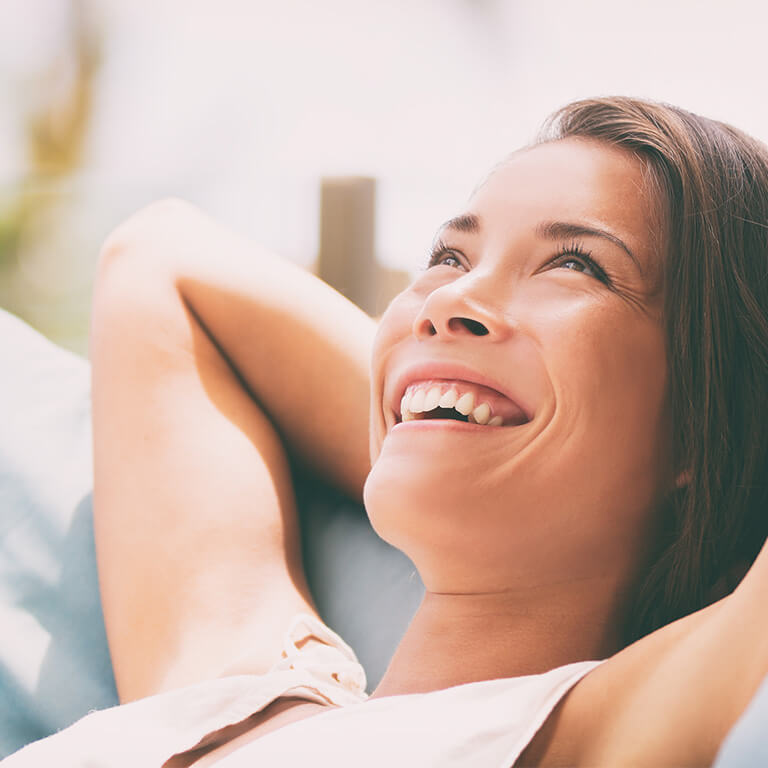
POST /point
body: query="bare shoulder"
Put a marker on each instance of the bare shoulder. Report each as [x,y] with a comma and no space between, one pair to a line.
[671,697]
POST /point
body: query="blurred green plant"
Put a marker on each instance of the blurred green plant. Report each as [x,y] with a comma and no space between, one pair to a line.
[56,124]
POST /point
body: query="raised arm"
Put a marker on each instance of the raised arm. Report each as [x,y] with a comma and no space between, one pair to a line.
[207,354]
[672,697]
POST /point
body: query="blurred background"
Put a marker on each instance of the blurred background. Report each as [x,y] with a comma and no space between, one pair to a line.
[293,120]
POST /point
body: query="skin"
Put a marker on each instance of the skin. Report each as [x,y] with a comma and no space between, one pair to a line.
[527,537]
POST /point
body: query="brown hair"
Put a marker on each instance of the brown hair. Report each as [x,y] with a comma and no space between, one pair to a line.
[713,180]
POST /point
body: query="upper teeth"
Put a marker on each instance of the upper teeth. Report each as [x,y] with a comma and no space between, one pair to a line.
[421,398]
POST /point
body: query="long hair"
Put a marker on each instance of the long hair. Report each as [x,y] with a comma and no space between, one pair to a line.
[712,184]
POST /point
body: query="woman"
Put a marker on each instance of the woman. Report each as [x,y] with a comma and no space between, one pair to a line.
[567,429]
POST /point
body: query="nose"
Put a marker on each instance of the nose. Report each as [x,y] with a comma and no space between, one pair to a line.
[460,310]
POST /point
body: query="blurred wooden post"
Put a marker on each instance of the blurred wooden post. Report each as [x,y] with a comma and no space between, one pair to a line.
[347,237]
[347,253]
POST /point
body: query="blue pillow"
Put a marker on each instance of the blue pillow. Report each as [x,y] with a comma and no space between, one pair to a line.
[54,662]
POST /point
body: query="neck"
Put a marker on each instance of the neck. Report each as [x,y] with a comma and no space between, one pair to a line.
[462,638]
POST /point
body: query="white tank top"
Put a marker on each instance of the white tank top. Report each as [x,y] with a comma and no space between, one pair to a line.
[486,724]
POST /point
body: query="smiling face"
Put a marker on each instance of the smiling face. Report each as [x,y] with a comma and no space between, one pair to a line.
[539,318]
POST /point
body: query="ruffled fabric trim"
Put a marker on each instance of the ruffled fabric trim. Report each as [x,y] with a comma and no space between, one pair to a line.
[321,659]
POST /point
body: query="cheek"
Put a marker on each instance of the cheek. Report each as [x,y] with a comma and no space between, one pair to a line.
[611,423]
[606,359]
[613,370]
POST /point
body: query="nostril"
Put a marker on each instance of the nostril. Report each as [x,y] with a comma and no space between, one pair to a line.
[473,326]
[478,329]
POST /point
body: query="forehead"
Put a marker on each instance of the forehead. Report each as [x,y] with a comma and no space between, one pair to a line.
[574,180]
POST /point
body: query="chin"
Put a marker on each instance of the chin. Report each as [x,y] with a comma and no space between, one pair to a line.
[432,512]
[389,500]
[404,500]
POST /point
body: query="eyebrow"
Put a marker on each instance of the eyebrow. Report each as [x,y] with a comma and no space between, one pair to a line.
[467,222]
[549,230]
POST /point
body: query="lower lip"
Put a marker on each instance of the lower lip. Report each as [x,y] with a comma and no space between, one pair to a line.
[450,425]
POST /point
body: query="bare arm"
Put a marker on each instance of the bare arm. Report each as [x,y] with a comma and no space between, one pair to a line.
[201,345]
[671,698]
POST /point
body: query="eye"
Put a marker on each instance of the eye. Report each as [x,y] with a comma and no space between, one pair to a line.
[577,265]
[576,258]
[443,256]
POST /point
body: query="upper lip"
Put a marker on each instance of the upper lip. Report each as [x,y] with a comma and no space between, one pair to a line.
[435,369]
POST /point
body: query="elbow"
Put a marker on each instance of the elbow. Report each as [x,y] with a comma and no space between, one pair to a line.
[140,256]
[147,236]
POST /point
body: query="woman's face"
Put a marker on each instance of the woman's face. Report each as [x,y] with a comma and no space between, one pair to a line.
[541,310]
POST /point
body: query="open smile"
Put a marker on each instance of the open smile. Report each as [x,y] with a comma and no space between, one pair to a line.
[458,400]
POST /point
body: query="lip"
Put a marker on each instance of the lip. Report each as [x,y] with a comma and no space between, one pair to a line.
[441,425]
[435,369]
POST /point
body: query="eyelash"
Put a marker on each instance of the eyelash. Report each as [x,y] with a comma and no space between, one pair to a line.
[440,249]
[574,250]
